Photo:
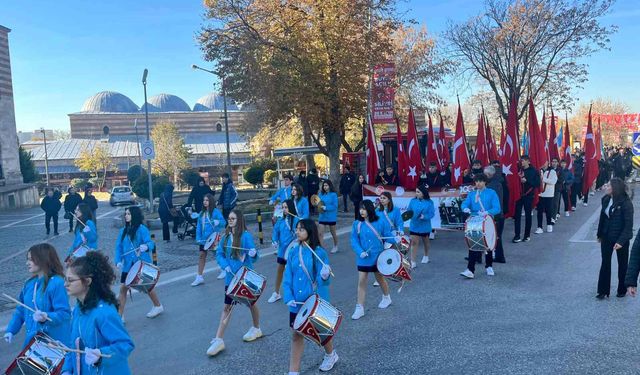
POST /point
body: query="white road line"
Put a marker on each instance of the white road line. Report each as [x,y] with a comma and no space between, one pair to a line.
[109,212]
[583,232]
[20,221]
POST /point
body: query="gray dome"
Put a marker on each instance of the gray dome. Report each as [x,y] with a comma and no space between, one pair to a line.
[247,107]
[109,101]
[214,102]
[167,103]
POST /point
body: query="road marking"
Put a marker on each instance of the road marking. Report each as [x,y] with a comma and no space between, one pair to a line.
[21,221]
[583,231]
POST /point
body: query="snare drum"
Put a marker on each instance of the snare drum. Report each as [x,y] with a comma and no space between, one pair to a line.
[212,241]
[37,358]
[278,212]
[246,286]
[394,266]
[142,276]
[480,233]
[405,244]
[317,321]
[78,252]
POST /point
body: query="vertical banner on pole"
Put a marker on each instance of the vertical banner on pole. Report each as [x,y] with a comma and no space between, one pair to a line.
[383,97]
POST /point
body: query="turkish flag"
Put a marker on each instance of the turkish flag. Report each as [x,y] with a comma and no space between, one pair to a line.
[373,160]
[443,148]
[460,153]
[553,144]
[502,138]
[509,158]
[482,151]
[432,148]
[543,132]
[402,161]
[599,143]
[537,152]
[591,154]
[566,139]
[414,160]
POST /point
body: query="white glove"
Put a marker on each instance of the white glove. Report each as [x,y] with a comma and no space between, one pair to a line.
[91,356]
[227,269]
[84,239]
[40,316]
[144,248]
[86,229]
[325,272]
[399,233]
[119,266]
[397,238]
[271,203]
[253,253]
[483,213]
[291,303]
[8,337]
[216,222]
[274,244]
[363,255]
[466,211]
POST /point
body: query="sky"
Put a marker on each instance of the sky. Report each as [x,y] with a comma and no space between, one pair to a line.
[64,52]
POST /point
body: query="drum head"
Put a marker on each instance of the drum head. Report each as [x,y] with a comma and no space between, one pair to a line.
[133,272]
[236,279]
[305,311]
[490,235]
[211,240]
[389,261]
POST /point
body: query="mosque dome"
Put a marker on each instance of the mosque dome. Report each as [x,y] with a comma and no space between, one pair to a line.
[214,102]
[167,103]
[109,101]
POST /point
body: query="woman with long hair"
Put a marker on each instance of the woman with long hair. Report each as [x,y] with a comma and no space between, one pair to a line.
[283,234]
[328,217]
[615,230]
[368,235]
[390,213]
[305,276]
[210,221]
[97,329]
[420,224]
[85,232]
[43,292]
[133,244]
[235,250]
[302,203]
[356,195]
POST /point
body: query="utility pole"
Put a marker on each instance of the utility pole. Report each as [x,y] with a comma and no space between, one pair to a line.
[146,119]
[46,155]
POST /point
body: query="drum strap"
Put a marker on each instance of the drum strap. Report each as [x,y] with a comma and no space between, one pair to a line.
[386,215]
[373,230]
[305,270]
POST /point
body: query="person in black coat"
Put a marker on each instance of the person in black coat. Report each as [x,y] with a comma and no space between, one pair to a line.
[346,182]
[578,174]
[614,234]
[91,201]
[71,201]
[631,279]
[197,195]
[166,203]
[495,184]
[51,206]
[356,195]
[313,185]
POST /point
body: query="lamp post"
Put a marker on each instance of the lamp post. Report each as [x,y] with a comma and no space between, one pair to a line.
[226,117]
[135,125]
[146,120]
[46,155]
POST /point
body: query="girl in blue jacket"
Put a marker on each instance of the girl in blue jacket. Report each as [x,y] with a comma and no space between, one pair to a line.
[283,234]
[44,292]
[97,329]
[133,244]
[302,204]
[305,276]
[390,213]
[236,249]
[329,216]
[210,221]
[367,240]
[85,232]
[420,224]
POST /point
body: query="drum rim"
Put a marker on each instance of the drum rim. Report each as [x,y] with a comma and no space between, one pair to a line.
[400,263]
[314,308]
[133,275]
[235,278]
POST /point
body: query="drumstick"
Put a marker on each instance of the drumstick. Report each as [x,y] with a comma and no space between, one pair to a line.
[67,349]
[296,216]
[129,252]
[21,304]
[316,255]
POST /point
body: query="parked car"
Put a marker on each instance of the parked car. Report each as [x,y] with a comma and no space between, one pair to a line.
[122,194]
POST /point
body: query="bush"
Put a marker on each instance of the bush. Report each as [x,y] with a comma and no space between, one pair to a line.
[141,187]
[79,183]
[269,176]
[254,175]
[190,176]
[264,164]
[135,172]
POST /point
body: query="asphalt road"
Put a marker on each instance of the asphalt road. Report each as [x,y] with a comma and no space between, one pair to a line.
[538,315]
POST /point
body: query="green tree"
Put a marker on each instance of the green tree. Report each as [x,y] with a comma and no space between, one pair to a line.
[254,175]
[27,167]
[134,172]
[141,185]
[190,176]
[97,161]
[172,156]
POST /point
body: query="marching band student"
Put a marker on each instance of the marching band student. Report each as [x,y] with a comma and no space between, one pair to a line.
[283,193]
[420,224]
[367,236]
[210,221]
[96,326]
[43,292]
[283,234]
[302,203]
[85,232]
[390,213]
[134,243]
[480,202]
[305,276]
[236,249]
[329,216]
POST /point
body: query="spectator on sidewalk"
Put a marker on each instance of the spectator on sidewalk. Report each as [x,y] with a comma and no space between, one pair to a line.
[197,194]
[346,182]
[51,206]
[164,210]
[228,196]
[91,201]
[356,195]
[71,201]
[549,180]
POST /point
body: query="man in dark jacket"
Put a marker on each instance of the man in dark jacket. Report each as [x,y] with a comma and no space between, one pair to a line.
[530,179]
[633,269]
[51,206]
[504,203]
[166,203]
[433,179]
[346,181]
[567,183]
[495,184]
[91,201]
[313,185]
[71,201]
[228,196]
[197,194]
[576,189]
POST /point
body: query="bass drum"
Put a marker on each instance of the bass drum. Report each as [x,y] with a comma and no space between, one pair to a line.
[480,233]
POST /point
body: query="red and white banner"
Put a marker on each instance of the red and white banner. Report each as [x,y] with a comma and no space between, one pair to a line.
[383,93]
[630,120]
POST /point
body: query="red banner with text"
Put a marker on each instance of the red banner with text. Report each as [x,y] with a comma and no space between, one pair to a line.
[383,93]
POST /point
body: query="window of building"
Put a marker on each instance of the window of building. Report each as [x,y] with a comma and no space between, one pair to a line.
[219,127]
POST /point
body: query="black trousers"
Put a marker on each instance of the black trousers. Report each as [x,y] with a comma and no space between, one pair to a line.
[47,222]
[604,279]
[576,192]
[565,199]
[555,206]
[525,202]
[499,249]
[345,201]
[544,206]
[476,256]
[165,229]
[71,224]
[356,208]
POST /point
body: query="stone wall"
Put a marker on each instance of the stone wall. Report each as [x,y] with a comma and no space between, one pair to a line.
[19,196]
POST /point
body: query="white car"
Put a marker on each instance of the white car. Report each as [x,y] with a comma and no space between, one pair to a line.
[122,194]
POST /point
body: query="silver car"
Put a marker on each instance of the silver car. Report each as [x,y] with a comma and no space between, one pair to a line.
[122,194]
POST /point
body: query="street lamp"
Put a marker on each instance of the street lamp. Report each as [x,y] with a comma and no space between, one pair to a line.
[135,125]
[226,117]
[46,155]
[146,119]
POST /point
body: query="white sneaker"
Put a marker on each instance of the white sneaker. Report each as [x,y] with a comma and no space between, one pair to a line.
[217,345]
[592,193]
[334,249]
[359,313]
[376,283]
[585,204]
[155,311]
[425,260]
[413,265]
[553,220]
[490,271]
[199,280]
[567,214]
[466,273]
[539,231]
[252,334]
[557,216]
[329,361]
[385,302]
[432,236]
[274,297]
[222,275]
[549,228]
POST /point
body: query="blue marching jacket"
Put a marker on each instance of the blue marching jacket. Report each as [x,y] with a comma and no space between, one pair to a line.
[298,285]
[489,199]
[99,328]
[330,213]
[302,206]
[394,218]
[206,225]
[90,235]
[224,259]
[420,207]
[125,246]
[364,239]
[281,195]
[283,234]
[53,300]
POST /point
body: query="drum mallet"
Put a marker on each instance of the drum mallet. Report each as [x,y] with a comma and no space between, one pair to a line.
[21,304]
[316,255]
